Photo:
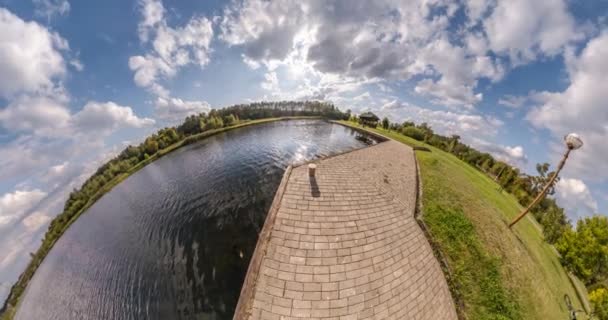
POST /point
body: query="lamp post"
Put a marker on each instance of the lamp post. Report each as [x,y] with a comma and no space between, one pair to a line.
[573,142]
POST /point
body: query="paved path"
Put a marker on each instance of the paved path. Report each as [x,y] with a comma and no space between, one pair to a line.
[346,245]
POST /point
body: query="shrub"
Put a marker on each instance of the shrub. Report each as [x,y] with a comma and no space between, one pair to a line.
[413,132]
[599,299]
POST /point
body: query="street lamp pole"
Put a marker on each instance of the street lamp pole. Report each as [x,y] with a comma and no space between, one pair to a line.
[573,142]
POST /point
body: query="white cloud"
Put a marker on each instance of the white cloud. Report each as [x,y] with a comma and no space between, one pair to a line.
[172,48]
[152,13]
[580,108]
[271,82]
[47,117]
[175,109]
[30,56]
[35,220]
[448,93]
[108,116]
[512,101]
[50,8]
[399,40]
[15,204]
[458,73]
[514,155]
[575,197]
[524,29]
[34,114]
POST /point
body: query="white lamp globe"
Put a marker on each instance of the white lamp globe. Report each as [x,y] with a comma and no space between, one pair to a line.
[573,141]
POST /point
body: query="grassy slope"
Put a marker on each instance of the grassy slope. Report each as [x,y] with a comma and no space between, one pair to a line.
[496,271]
[30,270]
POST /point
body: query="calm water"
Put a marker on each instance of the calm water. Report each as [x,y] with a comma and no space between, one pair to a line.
[174,240]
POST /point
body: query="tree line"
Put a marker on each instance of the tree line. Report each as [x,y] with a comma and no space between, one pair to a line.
[583,249]
[134,157]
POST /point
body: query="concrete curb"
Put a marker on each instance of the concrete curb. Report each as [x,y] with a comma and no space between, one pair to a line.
[447,271]
[243,307]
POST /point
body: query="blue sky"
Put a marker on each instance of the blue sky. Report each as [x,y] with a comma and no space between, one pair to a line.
[81,79]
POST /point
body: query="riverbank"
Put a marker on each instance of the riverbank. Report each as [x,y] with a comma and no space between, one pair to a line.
[495,271]
[18,289]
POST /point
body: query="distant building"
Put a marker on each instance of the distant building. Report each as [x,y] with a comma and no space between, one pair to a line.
[368,119]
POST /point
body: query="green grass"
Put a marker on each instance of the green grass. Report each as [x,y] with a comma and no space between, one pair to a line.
[46,247]
[497,272]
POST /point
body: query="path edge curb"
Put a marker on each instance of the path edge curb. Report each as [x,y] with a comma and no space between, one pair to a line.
[443,263]
[243,307]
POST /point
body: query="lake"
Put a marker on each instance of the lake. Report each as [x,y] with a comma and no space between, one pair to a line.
[174,240]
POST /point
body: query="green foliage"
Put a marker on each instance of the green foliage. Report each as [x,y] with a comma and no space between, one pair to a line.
[599,300]
[584,251]
[213,123]
[385,123]
[413,132]
[230,120]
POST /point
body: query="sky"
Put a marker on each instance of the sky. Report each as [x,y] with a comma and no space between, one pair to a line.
[80,80]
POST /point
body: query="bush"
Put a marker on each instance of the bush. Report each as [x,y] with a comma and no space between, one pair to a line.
[413,132]
[599,299]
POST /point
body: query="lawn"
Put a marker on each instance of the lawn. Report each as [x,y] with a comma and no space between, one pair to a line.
[497,273]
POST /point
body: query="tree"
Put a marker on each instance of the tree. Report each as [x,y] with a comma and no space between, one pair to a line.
[151,146]
[585,251]
[229,120]
[455,139]
[385,123]
[427,130]
[599,300]
[213,123]
[554,223]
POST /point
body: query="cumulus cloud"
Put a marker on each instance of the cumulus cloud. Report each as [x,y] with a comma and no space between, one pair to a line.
[30,56]
[48,117]
[575,197]
[175,109]
[525,29]
[172,48]
[580,108]
[514,155]
[271,82]
[15,204]
[108,116]
[34,114]
[402,40]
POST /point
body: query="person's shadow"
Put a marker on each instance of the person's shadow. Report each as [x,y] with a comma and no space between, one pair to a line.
[314,187]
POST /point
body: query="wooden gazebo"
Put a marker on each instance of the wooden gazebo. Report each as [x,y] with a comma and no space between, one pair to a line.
[368,119]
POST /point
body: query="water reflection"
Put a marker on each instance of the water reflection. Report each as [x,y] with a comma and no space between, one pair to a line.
[174,240]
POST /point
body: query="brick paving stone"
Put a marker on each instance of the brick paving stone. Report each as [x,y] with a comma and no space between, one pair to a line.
[345,244]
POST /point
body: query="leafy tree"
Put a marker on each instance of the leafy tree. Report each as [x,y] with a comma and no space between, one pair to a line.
[151,146]
[213,123]
[455,139]
[599,300]
[426,130]
[554,223]
[585,250]
[230,120]
[385,123]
